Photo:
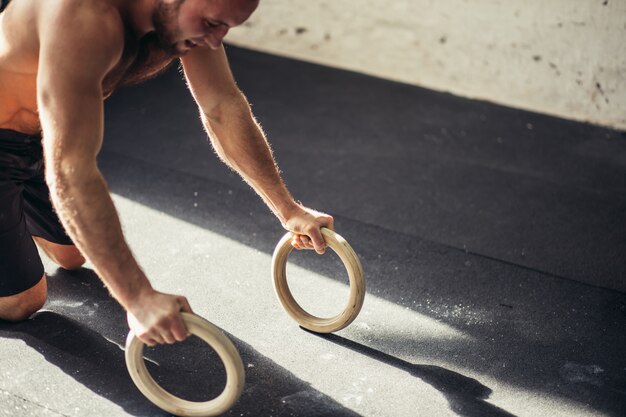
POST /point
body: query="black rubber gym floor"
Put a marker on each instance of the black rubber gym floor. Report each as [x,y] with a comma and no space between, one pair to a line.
[492,239]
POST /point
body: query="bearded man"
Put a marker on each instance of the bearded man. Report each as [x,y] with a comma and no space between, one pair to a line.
[59,60]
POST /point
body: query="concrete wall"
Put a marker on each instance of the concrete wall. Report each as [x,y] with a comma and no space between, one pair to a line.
[560,57]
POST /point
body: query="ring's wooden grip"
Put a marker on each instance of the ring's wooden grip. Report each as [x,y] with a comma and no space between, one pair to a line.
[355,274]
[220,343]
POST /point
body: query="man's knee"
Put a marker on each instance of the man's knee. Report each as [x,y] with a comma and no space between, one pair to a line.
[66,256]
[69,257]
[23,305]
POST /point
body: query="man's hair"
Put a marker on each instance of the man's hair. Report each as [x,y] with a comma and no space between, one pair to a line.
[3,4]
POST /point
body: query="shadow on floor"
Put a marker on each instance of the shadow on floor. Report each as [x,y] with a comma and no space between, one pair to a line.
[466,395]
[525,188]
[80,331]
[527,329]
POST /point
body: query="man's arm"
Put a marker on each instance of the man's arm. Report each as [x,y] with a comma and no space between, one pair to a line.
[240,142]
[78,46]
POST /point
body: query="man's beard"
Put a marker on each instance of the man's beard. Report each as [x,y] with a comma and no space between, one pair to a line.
[165,21]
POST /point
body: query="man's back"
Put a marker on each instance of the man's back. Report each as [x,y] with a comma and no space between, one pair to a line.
[20,26]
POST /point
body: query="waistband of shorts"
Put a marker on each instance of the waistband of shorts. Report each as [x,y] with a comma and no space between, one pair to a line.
[12,140]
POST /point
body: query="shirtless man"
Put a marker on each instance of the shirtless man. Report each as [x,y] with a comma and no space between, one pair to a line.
[59,59]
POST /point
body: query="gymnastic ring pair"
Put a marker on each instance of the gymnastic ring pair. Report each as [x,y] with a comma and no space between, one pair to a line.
[225,349]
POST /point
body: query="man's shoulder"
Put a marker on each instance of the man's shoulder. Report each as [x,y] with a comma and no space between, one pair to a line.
[84,15]
[94,20]
[87,25]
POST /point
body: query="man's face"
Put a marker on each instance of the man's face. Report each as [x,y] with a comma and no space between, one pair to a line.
[184,24]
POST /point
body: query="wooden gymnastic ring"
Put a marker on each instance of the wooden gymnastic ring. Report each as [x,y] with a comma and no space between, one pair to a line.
[219,342]
[355,274]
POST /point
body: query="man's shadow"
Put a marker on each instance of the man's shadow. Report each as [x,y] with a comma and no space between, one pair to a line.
[81,330]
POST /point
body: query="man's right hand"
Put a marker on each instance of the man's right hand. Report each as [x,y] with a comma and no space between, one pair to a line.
[155,318]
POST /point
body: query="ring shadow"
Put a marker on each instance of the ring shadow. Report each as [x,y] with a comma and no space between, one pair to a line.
[81,330]
[466,395]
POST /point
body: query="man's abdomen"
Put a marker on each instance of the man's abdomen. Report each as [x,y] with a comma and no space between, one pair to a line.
[18,102]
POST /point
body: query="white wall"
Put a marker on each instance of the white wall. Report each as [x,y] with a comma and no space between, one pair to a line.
[561,57]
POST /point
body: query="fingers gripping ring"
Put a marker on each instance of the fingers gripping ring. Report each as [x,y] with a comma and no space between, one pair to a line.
[355,274]
[175,405]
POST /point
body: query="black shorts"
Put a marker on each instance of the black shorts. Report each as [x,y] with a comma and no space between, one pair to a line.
[25,211]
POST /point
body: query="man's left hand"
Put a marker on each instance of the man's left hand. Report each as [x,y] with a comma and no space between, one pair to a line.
[305,226]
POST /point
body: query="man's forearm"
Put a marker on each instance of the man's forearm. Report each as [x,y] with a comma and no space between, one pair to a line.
[72,132]
[240,143]
[84,205]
